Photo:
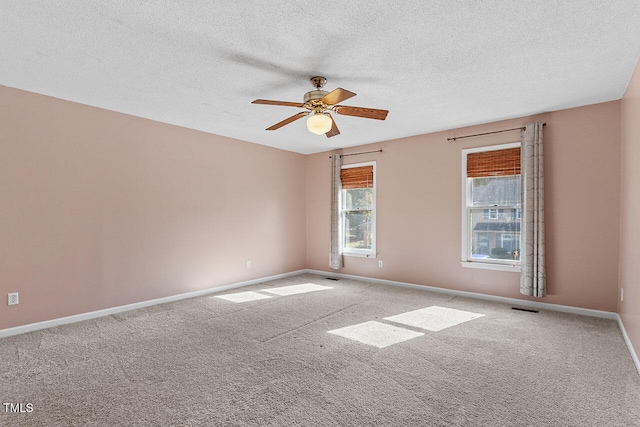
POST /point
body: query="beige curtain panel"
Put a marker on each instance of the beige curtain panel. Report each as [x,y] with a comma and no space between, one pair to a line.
[533,274]
[335,257]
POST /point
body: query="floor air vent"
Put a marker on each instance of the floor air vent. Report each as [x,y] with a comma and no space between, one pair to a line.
[529,310]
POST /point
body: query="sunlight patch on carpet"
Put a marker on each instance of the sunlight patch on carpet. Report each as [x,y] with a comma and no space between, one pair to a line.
[242,296]
[376,334]
[296,289]
[434,318]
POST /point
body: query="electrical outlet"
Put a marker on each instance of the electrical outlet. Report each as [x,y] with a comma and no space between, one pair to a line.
[12,298]
[621,294]
[380,263]
[248,264]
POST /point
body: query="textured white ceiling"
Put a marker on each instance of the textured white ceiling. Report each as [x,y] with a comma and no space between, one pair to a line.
[434,65]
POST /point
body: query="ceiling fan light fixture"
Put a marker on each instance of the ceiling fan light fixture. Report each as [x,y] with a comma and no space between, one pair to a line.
[318,103]
[319,123]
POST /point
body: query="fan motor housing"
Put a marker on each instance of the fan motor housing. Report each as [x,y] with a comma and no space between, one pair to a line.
[314,95]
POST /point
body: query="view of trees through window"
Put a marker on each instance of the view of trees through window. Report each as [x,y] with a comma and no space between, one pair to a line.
[495,217]
[357,210]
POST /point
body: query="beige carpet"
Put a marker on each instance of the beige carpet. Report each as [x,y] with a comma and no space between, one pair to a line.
[209,361]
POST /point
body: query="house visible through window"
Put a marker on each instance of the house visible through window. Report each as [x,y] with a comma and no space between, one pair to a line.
[491,205]
[357,209]
[492,213]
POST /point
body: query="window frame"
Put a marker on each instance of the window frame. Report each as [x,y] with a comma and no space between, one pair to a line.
[465,258]
[368,253]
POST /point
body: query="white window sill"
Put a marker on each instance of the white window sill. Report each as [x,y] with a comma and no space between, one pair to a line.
[359,255]
[488,266]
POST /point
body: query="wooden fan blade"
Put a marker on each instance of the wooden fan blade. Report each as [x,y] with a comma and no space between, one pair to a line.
[288,120]
[334,129]
[367,113]
[337,95]
[284,103]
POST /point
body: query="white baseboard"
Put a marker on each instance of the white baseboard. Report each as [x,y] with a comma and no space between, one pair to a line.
[627,340]
[505,300]
[113,310]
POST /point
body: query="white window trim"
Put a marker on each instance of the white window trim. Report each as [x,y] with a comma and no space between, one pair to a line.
[465,261]
[363,253]
[491,266]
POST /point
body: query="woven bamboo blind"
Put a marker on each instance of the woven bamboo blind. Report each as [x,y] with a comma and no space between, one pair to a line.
[359,177]
[493,163]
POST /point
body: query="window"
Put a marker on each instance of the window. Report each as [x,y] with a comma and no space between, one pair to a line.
[491,206]
[492,213]
[357,209]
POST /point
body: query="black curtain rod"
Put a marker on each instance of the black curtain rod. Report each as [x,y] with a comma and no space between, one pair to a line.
[487,133]
[357,154]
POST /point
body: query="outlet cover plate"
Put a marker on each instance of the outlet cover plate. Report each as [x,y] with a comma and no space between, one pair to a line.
[12,298]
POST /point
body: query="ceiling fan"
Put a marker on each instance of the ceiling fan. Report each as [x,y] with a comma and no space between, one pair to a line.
[319,102]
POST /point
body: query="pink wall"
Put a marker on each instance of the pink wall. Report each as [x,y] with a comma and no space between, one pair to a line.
[419,209]
[101,209]
[629,309]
